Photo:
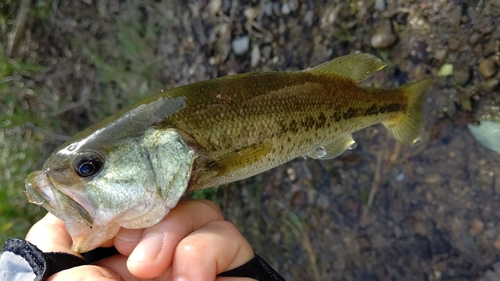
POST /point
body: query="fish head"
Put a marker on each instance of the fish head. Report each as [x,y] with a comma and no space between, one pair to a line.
[97,187]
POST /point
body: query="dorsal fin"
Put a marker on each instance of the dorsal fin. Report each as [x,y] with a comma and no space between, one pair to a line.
[357,67]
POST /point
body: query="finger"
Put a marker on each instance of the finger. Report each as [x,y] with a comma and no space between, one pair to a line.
[153,254]
[213,249]
[87,273]
[126,240]
[111,268]
[50,235]
[118,264]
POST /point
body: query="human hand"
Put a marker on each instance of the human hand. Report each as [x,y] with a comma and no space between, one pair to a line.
[192,242]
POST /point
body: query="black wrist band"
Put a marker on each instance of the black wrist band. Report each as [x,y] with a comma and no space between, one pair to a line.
[21,260]
[257,268]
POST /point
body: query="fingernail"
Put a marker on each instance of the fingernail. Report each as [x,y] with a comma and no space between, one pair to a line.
[149,248]
[179,278]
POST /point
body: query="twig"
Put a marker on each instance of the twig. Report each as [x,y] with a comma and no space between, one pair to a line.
[19,28]
[375,184]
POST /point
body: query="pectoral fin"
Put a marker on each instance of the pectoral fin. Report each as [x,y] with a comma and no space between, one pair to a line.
[357,67]
[242,157]
[333,149]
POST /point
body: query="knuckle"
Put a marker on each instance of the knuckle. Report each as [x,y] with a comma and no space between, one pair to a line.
[211,206]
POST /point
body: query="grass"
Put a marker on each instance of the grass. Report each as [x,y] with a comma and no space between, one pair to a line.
[19,149]
[127,68]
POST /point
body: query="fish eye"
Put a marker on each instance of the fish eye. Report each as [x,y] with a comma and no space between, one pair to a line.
[88,165]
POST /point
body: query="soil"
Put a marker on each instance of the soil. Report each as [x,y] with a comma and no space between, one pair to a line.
[377,212]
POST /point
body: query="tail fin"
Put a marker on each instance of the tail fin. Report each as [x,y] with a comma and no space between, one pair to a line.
[408,126]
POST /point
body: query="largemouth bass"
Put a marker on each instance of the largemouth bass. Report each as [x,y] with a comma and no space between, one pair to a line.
[130,169]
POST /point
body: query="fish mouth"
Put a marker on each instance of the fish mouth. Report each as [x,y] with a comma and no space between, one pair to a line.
[42,192]
[39,192]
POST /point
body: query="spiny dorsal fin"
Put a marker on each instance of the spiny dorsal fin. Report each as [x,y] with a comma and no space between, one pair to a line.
[357,67]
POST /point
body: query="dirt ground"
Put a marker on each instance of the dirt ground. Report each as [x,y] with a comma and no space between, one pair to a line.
[378,212]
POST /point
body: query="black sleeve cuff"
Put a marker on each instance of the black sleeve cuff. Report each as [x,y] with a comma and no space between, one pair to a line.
[257,268]
[21,260]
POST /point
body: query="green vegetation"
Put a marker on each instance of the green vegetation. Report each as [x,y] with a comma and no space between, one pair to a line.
[21,112]
[19,149]
[32,112]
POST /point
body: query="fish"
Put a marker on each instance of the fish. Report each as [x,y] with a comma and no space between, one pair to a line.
[132,168]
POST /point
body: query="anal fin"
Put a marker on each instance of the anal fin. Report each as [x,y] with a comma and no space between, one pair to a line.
[333,149]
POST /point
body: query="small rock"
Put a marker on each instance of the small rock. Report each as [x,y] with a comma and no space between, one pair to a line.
[214,6]
[433,178]
[420,228]
[419,215]
[266,52]
[487,68]
[384,36]
[255,56]
[241,45]
[496,34]
[461,75]
[477,226]
[268,8]
[285,9]
[485,26]
[380,5]
[478,50]
[474,38]
[454,43]
[440,54]
[309,17]
[293,4]
[490,48]
[489,85]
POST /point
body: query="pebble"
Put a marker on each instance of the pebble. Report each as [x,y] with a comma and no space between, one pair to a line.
[489,85]
[309,18]
[474,38]
[285,9]
[266,52]
[454,43]
[420,228]
[380,5]
[241,45]
[461,74]
[496,34]
[441,54]
[214,6]
[485,26]
[433,178]
[268,8]
[384,36]
[477,226]
[255,56]
[487,68]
